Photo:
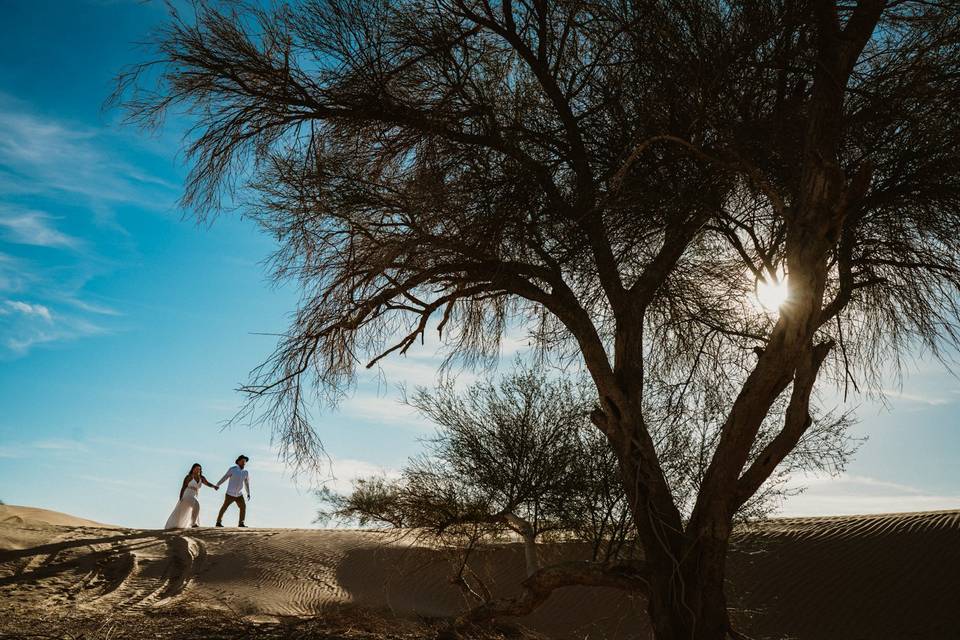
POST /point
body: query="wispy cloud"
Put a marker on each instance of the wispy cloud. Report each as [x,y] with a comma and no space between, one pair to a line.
[13,277]
[40,155]
[90,307]
[140,448]
[849,494]
[382,410]
[119,483]
[336,473]
[63,187]
[58,444]
[29,309]
[26,325]
[45,446]
[32,228]
[918,398]
[344,471]
[419,370]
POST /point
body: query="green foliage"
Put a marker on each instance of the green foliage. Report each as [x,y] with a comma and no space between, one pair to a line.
[519,455]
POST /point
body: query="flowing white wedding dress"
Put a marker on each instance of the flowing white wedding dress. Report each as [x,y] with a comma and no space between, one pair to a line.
[187,512]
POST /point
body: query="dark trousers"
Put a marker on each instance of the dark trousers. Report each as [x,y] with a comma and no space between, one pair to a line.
[227,501]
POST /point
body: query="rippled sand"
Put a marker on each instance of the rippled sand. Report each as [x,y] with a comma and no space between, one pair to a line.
[871,577]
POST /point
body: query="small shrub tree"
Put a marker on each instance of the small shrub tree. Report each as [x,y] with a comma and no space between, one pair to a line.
[522,456]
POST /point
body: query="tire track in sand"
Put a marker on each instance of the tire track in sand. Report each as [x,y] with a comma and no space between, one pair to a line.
[151,575]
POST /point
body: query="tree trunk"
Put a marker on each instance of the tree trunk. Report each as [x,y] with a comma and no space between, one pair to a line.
[530,553]
[687,600]
[525,529]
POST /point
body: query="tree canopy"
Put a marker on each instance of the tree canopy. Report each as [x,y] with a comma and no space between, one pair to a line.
[518,454]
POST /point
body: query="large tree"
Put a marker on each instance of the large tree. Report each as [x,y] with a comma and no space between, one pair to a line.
[619,176]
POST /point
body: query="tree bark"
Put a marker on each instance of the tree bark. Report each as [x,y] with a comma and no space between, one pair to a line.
[689,601]
[525,529]
[686,598]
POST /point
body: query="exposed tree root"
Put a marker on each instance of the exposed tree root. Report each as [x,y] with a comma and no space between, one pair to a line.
[538,587]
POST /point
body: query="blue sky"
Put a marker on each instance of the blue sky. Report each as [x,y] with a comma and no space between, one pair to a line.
[125,327]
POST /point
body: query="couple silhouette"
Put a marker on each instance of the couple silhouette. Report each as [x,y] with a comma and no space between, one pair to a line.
[186,513]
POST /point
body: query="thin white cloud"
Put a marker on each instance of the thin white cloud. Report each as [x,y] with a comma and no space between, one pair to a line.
[90,307]
[58,444]
[806,505]
[336,473]
[21,346]
[40,155]
[13,275]
[344,471]
[514,342]
[849,494]
[381,410]
[919,398]
[28,309]
[111,482]
[419,371]
[52,168]
[152,449]
[25,324]
[24,336]
[32,227]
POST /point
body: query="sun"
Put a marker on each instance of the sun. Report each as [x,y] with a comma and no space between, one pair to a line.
[772,293]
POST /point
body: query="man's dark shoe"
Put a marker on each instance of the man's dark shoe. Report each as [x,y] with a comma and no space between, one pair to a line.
[242,525]
[219,524]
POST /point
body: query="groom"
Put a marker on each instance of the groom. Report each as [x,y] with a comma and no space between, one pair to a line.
[239,478]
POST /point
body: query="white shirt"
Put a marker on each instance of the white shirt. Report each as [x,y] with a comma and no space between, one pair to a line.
[238,479]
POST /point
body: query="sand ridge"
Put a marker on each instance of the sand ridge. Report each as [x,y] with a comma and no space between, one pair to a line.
[31,516]
[859,577]
[871,577]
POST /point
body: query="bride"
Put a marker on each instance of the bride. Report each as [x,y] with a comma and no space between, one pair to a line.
[187,512]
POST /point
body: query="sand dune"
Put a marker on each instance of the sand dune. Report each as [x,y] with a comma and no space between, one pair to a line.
[855,577]
[869,577]
[30,516]
[22,527]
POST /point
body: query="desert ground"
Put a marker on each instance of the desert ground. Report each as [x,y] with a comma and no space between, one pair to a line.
[854,577]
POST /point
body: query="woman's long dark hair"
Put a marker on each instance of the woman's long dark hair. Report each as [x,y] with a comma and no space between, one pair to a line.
[190,473]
